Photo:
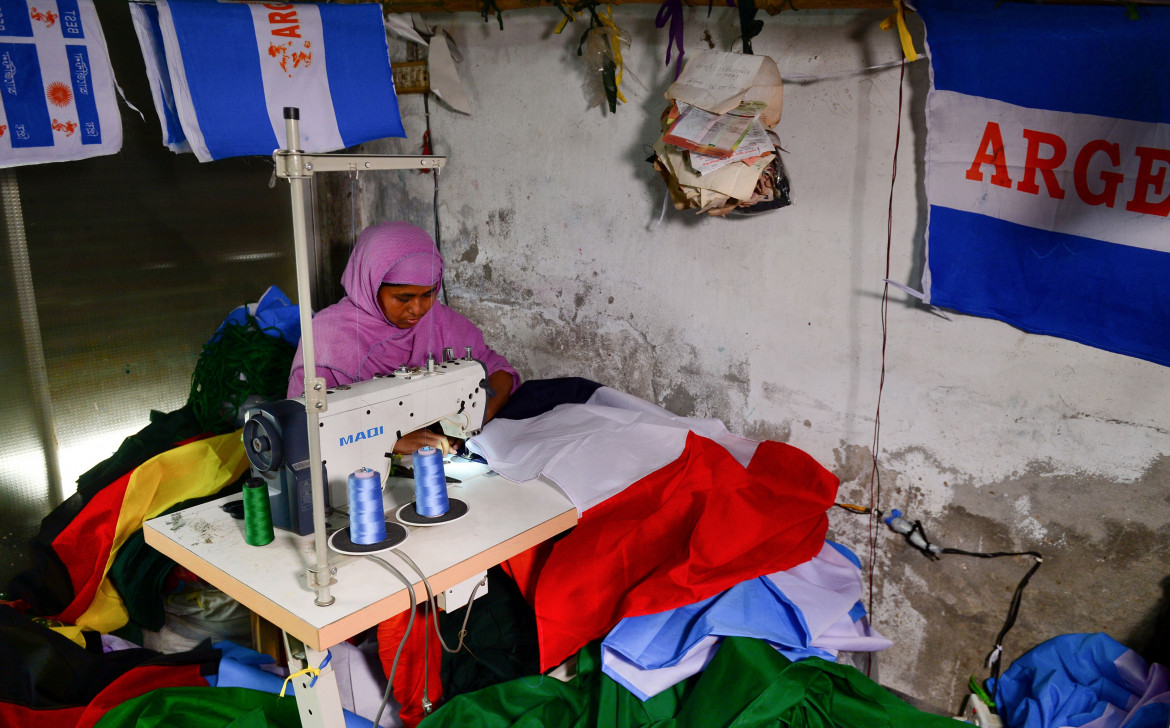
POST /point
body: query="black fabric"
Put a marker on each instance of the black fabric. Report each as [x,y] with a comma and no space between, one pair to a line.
[537,396]
[139,571]
[165,429]
[501,639]
[40,668]
[46,586]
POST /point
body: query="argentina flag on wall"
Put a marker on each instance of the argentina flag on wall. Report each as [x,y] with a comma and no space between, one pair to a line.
[221,74]
[57,99]
[1048,169]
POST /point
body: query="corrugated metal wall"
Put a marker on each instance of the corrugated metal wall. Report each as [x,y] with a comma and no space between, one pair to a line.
[134,260]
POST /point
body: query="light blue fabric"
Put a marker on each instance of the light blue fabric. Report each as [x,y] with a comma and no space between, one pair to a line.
[803,612]
[1081,680]
[754,608]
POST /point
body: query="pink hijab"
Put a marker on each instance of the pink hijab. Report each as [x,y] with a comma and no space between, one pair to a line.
[353,339]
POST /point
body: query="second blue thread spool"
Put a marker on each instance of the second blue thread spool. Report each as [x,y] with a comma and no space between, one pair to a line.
[430,483]
[367,515]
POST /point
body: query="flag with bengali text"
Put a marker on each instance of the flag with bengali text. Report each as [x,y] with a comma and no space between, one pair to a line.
[56,84]
[221,74]
[1047,164]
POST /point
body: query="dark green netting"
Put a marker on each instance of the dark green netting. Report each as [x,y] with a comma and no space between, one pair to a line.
[240,360]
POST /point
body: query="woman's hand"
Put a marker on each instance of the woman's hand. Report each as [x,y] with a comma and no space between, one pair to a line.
[501,383]
[419,439]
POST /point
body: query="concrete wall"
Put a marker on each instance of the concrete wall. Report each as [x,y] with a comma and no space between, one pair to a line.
[995,439]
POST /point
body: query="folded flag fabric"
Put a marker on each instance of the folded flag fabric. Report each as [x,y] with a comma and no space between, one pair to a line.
[221,75]
[58,86]
[47,585]
[595,449]
[1083,681]
[47,681]
[806,611]
[689,530]
[89,544]
[1046,164]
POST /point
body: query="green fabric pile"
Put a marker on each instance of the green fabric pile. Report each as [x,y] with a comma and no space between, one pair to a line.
[747,683]
[204,708]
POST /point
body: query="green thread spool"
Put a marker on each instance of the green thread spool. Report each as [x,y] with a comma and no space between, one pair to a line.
[257,513]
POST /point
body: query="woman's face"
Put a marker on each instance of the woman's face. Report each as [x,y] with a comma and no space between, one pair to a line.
[405,305]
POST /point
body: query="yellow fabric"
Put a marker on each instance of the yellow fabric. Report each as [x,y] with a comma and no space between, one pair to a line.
[70,631]
[190,471]
[899,18]
[561,25]
[605,15]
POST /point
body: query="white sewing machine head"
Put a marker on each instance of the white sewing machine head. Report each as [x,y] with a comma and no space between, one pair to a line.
[359,428]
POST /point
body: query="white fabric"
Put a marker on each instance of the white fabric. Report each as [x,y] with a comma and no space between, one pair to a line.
[361,684]
[595,450]
[290,81]
[959,121]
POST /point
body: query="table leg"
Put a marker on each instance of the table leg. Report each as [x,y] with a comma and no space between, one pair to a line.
[318,700]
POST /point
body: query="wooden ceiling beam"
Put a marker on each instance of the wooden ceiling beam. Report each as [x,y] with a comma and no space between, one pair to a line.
[772,7]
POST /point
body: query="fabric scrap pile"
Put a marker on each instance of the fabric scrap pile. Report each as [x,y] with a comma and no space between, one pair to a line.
[718,153]
[652,567]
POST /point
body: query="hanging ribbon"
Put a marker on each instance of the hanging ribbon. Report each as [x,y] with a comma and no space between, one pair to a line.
[489,7]
[672,12]
[749,27]
[612,65]
[730,4]
[615,41]
[899,18]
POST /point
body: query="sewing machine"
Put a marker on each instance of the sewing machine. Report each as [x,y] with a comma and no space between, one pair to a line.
[359,429]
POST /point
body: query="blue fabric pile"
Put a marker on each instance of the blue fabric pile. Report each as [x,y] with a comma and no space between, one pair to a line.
[1083,681]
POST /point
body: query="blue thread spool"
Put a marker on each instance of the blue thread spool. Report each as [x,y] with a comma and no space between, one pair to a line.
[430,483]
[367,515]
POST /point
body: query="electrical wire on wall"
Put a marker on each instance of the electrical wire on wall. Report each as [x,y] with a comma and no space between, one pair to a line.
[916,537]
[914,533]
[875,483]
[428,148]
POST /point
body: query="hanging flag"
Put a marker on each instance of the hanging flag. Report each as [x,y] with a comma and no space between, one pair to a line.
[222,73]
[1048,152]
[58,87]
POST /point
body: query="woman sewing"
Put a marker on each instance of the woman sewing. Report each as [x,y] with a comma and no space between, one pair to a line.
[391,317]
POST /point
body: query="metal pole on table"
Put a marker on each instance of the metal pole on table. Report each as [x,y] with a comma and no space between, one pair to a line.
[321,576]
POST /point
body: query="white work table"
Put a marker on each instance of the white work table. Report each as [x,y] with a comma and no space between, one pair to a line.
[504,519]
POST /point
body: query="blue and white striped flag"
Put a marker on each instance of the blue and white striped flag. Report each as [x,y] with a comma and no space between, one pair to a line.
[222,73]
[1048,169]
[56,84]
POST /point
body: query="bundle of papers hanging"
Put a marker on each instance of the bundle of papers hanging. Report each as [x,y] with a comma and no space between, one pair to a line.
[717,152]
